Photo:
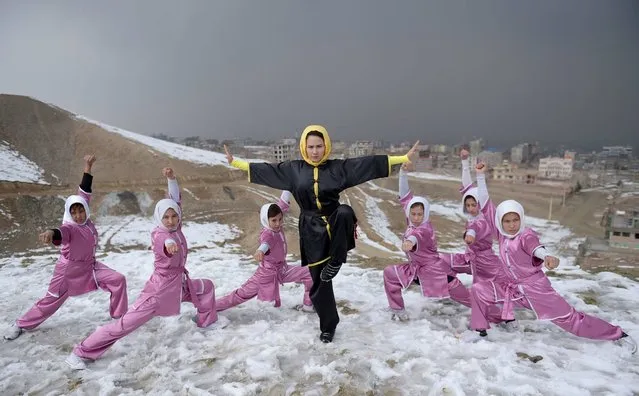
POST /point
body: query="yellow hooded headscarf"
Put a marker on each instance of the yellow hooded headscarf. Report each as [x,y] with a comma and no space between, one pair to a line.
[327,144]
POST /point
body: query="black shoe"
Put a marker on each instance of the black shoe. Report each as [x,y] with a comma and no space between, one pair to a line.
[326,337]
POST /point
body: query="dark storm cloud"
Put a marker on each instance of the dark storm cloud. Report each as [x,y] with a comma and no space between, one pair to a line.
[561,72]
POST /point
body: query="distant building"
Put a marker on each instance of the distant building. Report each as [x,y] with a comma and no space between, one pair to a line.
[338,149]
[490,158]
[243,142]
[423,164]
[399,148]
[555,168]
[439,148]
[510,173]
[361,148]
[622,229]
[616,157]
[379,144]
[571,155]
[616,151]
[257,152]
[284,150]
[521,153]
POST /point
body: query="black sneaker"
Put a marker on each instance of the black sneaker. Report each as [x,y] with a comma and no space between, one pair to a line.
[326,337]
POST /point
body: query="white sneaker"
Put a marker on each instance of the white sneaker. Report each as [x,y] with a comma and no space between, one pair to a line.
[13,332]
[627,343]
[75,362]
[471,336]
[305,308]
[509,327]
[400,315]
[220,323]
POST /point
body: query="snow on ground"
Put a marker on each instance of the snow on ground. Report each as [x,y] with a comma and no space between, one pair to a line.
[276,351]
[448,209]
[17,167]
[113,199]
[434,176]
[600,188]
[195,155]
[191,193]
[378,220]
[373,186]
[270,198]
[363,238]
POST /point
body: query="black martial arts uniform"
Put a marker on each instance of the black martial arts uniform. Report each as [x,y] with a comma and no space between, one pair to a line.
[326,228]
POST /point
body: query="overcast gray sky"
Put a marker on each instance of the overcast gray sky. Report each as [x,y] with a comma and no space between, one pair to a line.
[557,71]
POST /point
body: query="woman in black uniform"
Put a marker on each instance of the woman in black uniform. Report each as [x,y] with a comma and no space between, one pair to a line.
[326,227]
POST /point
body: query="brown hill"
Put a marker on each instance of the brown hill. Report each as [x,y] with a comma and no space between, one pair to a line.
[55,140]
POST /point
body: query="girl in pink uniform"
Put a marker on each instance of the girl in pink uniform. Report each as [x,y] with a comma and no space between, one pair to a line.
[527,286]
[273,269]
[479,258]
[424,264]
[77,272]
[168,287]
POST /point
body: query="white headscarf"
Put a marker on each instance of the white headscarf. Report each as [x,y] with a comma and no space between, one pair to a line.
[264,215]
[471,192]
[160,209]
[424,202]
[72,200]
[509,206]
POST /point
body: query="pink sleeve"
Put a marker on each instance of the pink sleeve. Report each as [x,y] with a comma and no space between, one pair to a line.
[482,228]
[266,236]
[285,201]
[283,205]
[159,250]
[424,236]
[406,200]
[85,195]
[65,231]
[475,227]
[529,243]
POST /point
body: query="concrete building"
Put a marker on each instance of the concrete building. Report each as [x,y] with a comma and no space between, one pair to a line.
[622,229]
[490,158]
[572,155]
[555,168]
[361,148]
[616,151]
[616,157]
[339,149]
[285,150]
[521,153]
[439,148]
[423,164]
[510,173]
